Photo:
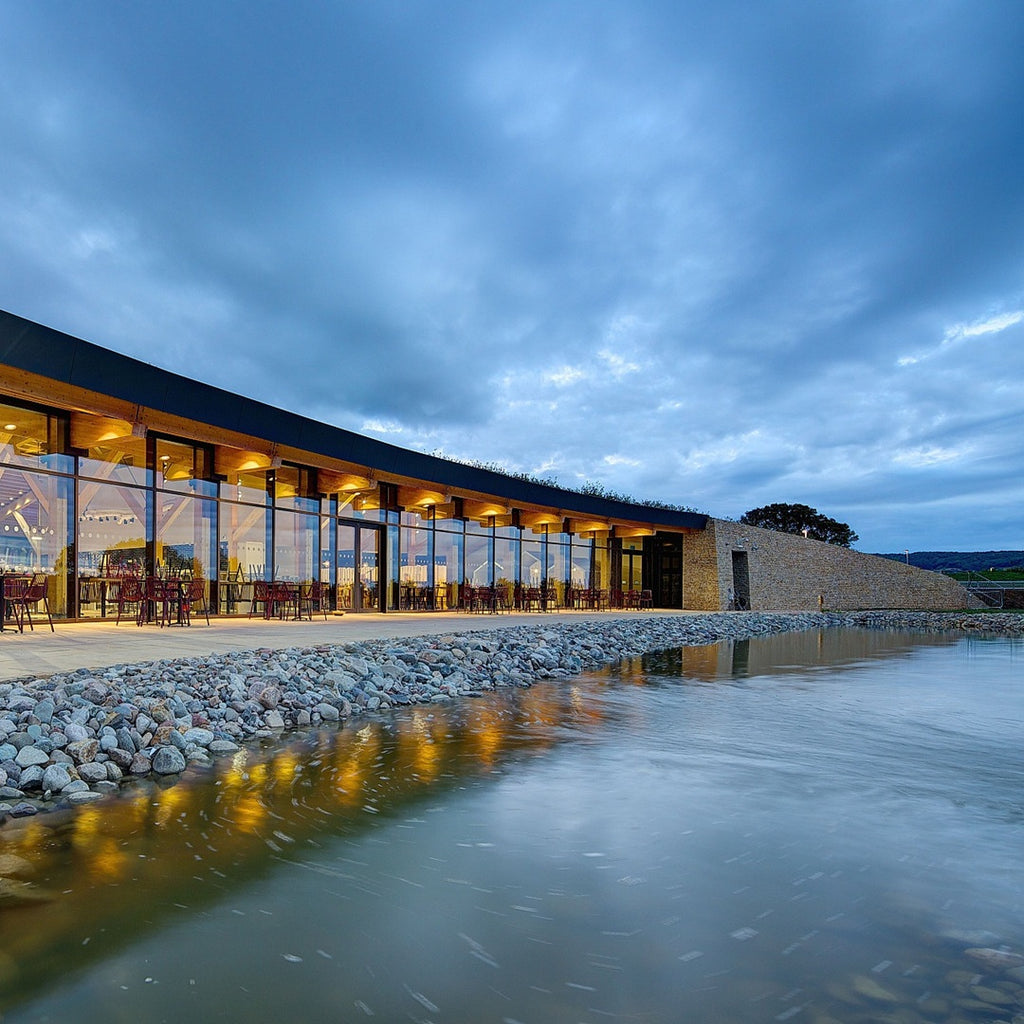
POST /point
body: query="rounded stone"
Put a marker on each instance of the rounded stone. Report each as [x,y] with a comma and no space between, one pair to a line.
[44,710]
[29,756]
[92,771]
[168,761]
[120,758]
[75,732]
[83,750]
[328,712]
[199,737]
[85,796]
[55,778]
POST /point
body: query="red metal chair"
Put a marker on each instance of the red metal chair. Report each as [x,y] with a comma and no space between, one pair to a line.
[129,593]
[261,596]
[33,592]
[159,601]
[284,599]
[14,588]
[195,598]
[312,599]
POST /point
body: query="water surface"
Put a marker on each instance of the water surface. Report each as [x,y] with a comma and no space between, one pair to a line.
[809,827]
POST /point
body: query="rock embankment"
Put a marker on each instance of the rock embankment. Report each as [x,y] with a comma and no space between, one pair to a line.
[74,737]
[980,624]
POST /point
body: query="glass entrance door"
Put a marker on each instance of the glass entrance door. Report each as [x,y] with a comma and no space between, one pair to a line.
[632,569]
[358,578]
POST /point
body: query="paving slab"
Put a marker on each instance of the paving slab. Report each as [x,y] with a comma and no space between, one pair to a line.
[100,644]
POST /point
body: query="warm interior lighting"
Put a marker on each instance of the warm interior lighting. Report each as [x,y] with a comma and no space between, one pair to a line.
[10,426]
[89,431]
[419,497]
[236,460]
[483,510]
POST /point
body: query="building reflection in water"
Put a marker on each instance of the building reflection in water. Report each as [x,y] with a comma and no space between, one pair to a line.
[80,885]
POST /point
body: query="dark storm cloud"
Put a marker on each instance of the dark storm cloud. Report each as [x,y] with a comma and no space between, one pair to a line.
[721,254]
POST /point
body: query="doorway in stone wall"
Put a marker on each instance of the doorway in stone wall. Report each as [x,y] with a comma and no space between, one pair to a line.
[740,581]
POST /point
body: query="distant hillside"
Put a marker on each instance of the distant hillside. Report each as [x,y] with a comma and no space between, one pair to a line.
[966,561]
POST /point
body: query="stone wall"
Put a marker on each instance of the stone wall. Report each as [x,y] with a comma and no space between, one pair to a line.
[788,572]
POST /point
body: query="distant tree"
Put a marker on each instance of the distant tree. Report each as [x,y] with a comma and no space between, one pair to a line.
[801,519]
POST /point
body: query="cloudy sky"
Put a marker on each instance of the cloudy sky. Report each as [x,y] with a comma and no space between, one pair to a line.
[719,254]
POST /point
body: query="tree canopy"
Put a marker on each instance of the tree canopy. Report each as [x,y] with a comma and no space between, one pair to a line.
[800,519]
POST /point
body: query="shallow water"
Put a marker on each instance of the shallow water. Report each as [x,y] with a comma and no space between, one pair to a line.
[810,827]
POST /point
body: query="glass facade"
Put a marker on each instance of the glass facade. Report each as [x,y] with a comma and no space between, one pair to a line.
[86,500]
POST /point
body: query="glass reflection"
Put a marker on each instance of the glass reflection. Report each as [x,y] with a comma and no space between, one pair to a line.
[112,534]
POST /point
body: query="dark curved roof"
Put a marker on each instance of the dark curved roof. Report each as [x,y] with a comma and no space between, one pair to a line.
[42,350]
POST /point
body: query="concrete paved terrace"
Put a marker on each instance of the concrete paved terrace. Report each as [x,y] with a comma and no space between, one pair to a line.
[100,644]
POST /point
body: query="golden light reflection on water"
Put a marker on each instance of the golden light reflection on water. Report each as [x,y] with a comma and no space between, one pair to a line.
[170,802]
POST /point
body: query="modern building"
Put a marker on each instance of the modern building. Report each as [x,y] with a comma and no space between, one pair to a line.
[109,465]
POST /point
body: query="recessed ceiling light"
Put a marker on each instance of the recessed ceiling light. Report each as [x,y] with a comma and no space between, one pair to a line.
[10,426]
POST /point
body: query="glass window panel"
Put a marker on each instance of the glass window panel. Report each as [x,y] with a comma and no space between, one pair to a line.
[417,517]
[286,484]
[29,438]
[506,560]
[558,564]
[532,560]
[182,467]
[581,560]
[293,489]
[363,505]
[369,541]
[243,541]
[601,579]
[186,534]
[35,526]
[345,571]
[448,551]
[247,485]
[295,546]
[112,537]
[479,558]
[415,555]
[393,568]
[450,525]
[327,552]
[122,460]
